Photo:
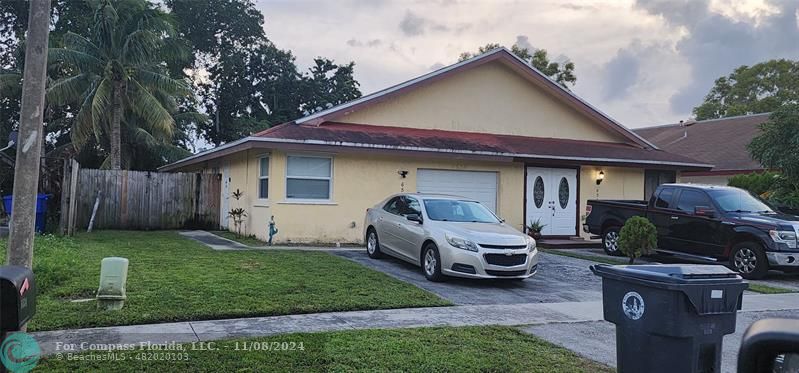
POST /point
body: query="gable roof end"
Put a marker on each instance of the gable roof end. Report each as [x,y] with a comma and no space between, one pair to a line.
[501,54]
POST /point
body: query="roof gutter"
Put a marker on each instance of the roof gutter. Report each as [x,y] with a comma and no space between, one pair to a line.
[187,161]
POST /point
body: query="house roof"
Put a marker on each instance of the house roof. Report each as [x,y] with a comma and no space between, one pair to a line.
[453,143]
[502,55]
[721,142]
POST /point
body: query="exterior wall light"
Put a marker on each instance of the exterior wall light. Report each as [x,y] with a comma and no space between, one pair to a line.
[599,177]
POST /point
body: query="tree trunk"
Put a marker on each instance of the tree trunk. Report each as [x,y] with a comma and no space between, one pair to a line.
[26,172]
[116,131]
[632,260]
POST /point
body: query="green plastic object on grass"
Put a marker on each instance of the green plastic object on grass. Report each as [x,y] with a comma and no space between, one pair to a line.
[113,279]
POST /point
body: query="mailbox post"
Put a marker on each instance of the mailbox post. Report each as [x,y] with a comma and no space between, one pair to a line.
[17,300]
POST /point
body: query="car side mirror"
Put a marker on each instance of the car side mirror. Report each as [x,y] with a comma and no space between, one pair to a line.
[770,345]
[705,211]
[414,217]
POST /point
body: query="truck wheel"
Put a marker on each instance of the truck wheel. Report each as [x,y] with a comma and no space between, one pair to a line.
[748,259]
[610,241]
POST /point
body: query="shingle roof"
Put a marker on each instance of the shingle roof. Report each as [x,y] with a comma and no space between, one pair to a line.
[416,139]
[721,142]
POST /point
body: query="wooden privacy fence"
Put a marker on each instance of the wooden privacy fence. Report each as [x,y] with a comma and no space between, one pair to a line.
[144,200]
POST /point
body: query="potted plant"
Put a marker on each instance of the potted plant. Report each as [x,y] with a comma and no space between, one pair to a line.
[638,237]
[535,228]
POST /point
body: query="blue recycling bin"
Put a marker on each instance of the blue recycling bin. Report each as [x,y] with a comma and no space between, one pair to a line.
[41,209]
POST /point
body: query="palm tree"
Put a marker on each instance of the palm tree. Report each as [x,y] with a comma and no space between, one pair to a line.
[118,75]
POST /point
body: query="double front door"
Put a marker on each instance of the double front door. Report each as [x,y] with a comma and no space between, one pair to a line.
[552,200]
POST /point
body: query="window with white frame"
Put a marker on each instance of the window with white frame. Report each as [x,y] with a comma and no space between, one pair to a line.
[263,177]
[308,177]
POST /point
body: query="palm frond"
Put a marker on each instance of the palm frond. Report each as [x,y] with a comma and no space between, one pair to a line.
[146,106]
[105,23]
[81,44]
[191,117]
[161,82]
[69,89]
[140,47]
[10,84]
[84,126]
[101,105]
[82,61]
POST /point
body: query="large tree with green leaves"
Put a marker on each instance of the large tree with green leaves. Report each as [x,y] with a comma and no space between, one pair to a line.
[120,77]
[244,82]
[562,73]
[760,88]
[777,146]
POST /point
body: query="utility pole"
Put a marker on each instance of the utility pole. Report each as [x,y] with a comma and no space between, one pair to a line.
[29,144]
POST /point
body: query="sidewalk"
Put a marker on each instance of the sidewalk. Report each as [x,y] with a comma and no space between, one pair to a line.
[515,314]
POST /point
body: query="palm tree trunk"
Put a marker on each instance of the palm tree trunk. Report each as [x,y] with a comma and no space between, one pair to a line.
[116,131]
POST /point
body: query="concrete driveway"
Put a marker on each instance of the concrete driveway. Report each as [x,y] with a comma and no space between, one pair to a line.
[559,279]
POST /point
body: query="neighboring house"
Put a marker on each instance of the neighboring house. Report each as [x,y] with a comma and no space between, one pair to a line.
[490,128]
[720,142]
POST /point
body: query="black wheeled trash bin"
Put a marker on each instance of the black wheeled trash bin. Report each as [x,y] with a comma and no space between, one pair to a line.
[670,318]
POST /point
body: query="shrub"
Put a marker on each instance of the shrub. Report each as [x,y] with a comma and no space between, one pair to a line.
[772,187]
[758,183]
[637,237]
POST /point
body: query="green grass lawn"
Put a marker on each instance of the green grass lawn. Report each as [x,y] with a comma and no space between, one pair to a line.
[767,289]
[172,278]
[461,349]
[246,240]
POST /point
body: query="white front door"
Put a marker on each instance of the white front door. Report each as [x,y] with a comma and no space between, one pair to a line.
[552,200]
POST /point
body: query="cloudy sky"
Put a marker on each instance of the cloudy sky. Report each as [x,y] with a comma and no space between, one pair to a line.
[644,62]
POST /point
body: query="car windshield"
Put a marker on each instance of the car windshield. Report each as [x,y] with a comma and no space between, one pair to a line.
[737,200]
[458,211]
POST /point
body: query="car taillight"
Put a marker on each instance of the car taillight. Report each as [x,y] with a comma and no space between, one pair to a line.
[588,209]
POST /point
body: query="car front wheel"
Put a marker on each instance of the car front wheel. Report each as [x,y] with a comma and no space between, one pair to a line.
[749,259]
[373,244]
[431,263]
[610,241]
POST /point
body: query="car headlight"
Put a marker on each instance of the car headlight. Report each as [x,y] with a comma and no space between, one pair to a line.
[461,243]
[530,243]
[786,237]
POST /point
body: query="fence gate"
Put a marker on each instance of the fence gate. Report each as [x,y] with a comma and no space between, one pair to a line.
[146,200]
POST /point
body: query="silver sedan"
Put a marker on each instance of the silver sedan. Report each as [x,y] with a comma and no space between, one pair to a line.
[448,235]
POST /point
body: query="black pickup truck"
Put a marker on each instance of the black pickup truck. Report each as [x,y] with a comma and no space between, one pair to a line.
[716,223]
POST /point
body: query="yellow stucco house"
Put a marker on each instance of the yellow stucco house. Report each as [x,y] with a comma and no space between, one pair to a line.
[490,128]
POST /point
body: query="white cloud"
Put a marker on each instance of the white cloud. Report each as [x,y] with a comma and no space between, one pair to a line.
[659,41]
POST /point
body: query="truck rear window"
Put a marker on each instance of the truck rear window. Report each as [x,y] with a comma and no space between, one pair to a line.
[664,198]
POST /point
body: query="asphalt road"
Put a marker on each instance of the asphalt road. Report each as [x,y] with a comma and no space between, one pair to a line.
[559,279]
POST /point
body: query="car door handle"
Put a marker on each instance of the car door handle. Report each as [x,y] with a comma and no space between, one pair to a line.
[675,218]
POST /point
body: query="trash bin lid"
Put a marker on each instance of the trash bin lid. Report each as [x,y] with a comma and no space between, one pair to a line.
[669,273]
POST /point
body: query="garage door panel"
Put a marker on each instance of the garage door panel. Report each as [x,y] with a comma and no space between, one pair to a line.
[477,185]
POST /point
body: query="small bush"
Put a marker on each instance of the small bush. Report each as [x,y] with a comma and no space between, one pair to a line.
[637,237]
[757,182]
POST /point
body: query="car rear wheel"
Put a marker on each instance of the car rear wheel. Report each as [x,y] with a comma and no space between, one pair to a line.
[749,259]
[373,244]
[610,241]
[431,263]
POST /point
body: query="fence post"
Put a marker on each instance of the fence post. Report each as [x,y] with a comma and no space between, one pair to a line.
[73,197]
[65,188]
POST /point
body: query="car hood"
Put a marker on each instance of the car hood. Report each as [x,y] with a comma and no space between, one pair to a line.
[487,233]
[765,220]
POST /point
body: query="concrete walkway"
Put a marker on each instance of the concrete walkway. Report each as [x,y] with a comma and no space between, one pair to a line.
[223,244]
[513,314]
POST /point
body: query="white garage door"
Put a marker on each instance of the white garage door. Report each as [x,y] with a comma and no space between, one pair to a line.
[477,185]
